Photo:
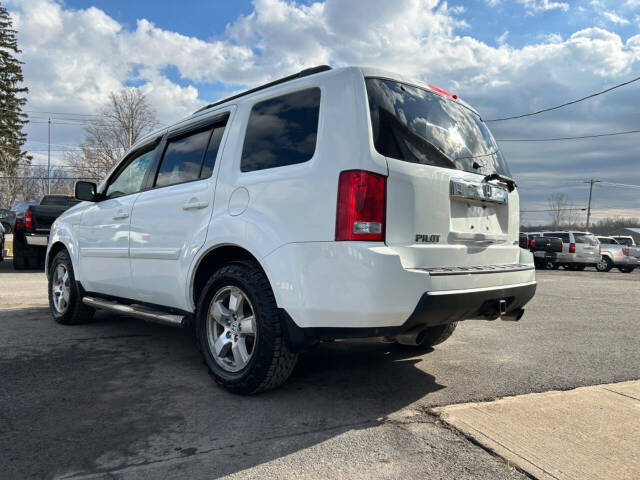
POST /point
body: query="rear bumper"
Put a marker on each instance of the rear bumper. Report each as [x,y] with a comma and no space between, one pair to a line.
[359,285]
[434,308]
[36,240]
[437,308]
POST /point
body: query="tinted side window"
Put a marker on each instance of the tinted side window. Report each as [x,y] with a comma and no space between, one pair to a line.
[182,159]
[212,152]
[129,179]
[282,131]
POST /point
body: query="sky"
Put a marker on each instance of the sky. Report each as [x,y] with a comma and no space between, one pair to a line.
[504,57]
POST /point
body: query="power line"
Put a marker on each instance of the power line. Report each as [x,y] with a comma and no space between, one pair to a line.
[566,138]
[564,104]
[37,112]
[552,210]
[623,185]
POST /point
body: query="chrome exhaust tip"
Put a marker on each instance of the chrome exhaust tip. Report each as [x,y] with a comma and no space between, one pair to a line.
[413,337]
[513,316]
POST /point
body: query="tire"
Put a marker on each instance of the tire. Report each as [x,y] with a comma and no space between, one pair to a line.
[72,311]
[626,269]
[549,265]
[269,362]
[19,262]
[604,265]
[433,336]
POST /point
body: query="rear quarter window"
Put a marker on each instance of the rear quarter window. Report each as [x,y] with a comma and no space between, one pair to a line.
[586,239]
[282,131]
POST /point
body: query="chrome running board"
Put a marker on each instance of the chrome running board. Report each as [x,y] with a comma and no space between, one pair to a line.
[139,311]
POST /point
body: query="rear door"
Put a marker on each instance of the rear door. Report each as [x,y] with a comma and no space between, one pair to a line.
[440,211]
[169,221]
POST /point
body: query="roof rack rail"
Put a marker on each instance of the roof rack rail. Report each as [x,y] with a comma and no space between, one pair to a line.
[303,73]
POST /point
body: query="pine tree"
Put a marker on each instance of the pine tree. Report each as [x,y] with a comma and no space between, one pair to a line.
[12,119]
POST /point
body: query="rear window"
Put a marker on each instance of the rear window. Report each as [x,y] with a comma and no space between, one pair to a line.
[282,131]
[624,241]
[586,239]
[416,125]
[607,241]
[563,235]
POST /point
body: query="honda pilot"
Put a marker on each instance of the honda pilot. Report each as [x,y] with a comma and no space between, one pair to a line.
[330,204]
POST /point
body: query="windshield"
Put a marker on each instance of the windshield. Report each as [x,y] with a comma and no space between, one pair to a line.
[416,125]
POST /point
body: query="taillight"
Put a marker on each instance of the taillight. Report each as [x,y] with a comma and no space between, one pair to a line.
[18,226]
[360,213]
[28,220]
[532,243]
[572,248]
[625,252]
[599,249]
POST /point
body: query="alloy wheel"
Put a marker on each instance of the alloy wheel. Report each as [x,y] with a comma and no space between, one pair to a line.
[61,288]
[231,329]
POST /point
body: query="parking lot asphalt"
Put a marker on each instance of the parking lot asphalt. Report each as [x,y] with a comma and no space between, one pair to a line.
[120,398]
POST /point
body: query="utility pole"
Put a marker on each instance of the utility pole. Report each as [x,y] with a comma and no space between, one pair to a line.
[49,158]
[590,182]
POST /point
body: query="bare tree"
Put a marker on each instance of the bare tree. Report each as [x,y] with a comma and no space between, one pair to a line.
[29,182]
[121,122]
[558,209]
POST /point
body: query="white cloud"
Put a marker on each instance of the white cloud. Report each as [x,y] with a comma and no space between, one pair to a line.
[615,18]
[535,6]
[502,39]
[74,58]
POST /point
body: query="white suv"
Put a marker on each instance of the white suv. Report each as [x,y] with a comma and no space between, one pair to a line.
[330,204]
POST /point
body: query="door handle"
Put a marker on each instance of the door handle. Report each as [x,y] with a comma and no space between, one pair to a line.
[121,215]
[194,204]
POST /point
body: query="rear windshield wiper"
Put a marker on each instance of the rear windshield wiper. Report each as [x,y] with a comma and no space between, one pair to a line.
[509,182]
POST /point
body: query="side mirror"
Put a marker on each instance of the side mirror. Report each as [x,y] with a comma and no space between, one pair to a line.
[86,191]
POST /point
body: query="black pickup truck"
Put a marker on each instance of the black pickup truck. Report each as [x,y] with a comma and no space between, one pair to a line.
[31,230]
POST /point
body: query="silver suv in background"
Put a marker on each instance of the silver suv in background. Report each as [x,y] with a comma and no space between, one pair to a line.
[579,250]
[615,254]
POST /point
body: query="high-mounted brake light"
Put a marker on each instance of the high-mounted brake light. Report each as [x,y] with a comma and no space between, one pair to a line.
[572,248]
[360,213]
[443,92]
[28,220]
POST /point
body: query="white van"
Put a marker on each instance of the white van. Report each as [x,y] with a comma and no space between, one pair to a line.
[331,204]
